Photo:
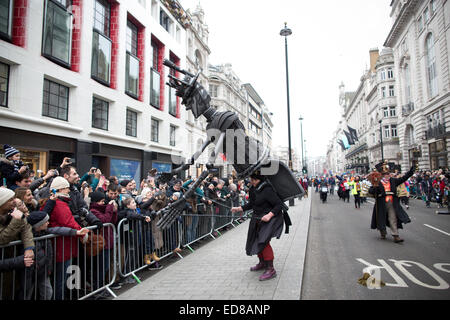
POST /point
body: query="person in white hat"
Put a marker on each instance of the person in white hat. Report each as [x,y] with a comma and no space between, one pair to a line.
[13,226]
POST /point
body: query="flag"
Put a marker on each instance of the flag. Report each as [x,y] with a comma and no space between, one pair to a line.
[353,133]
[341,144]
[349,138]
[345,141]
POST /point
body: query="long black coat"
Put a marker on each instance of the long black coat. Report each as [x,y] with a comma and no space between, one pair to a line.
[263,200]
[380,214]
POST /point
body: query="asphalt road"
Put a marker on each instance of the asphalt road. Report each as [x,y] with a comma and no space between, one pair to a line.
[341,244]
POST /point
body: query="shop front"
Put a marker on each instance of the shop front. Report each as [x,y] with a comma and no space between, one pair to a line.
[40,152]
[438,155]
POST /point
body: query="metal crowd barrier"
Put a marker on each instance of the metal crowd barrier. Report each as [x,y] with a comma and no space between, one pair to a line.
[57,274]
[81,274]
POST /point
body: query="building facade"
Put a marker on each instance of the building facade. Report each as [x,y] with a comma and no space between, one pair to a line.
[85,79]
[420,38]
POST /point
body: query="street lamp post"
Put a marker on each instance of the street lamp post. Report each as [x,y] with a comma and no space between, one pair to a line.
[301,136]
[381,141]
[285,32]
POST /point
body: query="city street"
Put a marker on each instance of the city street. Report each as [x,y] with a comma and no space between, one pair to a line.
[341,244]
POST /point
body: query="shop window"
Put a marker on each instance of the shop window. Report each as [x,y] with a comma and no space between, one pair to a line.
[131,123]
[100,114]
[101,43]
[55,101]
[57,37]
[4,84]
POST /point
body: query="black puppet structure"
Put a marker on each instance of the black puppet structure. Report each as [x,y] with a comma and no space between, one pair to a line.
[384,191]
[227,133]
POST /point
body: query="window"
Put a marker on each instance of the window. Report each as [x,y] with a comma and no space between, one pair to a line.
[100,114]
[391,91]
[6,7]
[385,112]
[155,131]
[172,135]
[433,5]
[57,37]
[56,100]
[155,85]
[386,131]
[390,73]
[164,20]
[407,84]
[383,92]
[172,96]
[392,112]
[132,62]
[131,123]
[420,23]
[431,66]
[394,131]
[383,74]
[101,43]
[426,15]
[4,84]
[213,90]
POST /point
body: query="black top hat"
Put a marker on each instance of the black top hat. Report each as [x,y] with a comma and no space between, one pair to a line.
[385,167]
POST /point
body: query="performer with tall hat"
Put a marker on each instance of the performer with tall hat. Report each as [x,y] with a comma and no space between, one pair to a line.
[387,210]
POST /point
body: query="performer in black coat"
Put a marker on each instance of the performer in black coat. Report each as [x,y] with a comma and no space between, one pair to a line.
[266,223]
[387,210]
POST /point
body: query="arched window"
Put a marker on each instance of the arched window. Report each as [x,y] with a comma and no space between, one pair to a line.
[431,66]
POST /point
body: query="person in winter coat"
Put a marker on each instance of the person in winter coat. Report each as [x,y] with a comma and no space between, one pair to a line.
[387,210]
[13,225]
[37,277]
[106,213]
[78,205]
[266,223]
[11,167]
[426,185]
[66,248]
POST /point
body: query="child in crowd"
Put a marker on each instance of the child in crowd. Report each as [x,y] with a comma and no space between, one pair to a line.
[11,167]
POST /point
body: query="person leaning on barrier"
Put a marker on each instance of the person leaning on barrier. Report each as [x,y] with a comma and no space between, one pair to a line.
[13,225]
[38,277]
[66,248]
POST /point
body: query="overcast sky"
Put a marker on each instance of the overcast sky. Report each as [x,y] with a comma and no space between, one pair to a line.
[330,43]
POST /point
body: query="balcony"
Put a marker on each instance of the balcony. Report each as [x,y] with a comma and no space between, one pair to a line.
[407,109]
[436,132]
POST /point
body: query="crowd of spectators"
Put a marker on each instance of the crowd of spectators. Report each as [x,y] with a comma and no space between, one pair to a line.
[62,203]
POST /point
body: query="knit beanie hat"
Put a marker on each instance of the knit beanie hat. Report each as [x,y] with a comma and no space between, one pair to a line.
[5,195]
[10,151]
[97,196]
[177,194]
[124,183]
[37,218]
[59,183]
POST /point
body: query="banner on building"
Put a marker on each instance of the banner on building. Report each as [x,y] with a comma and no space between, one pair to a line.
[349,138]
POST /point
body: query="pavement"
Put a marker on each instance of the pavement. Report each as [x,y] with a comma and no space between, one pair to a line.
[341,244]
[219,270]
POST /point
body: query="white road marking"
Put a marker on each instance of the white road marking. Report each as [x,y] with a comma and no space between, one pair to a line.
[370,202]
[427,225]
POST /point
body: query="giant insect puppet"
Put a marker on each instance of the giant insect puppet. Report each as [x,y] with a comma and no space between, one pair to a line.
[226,131]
